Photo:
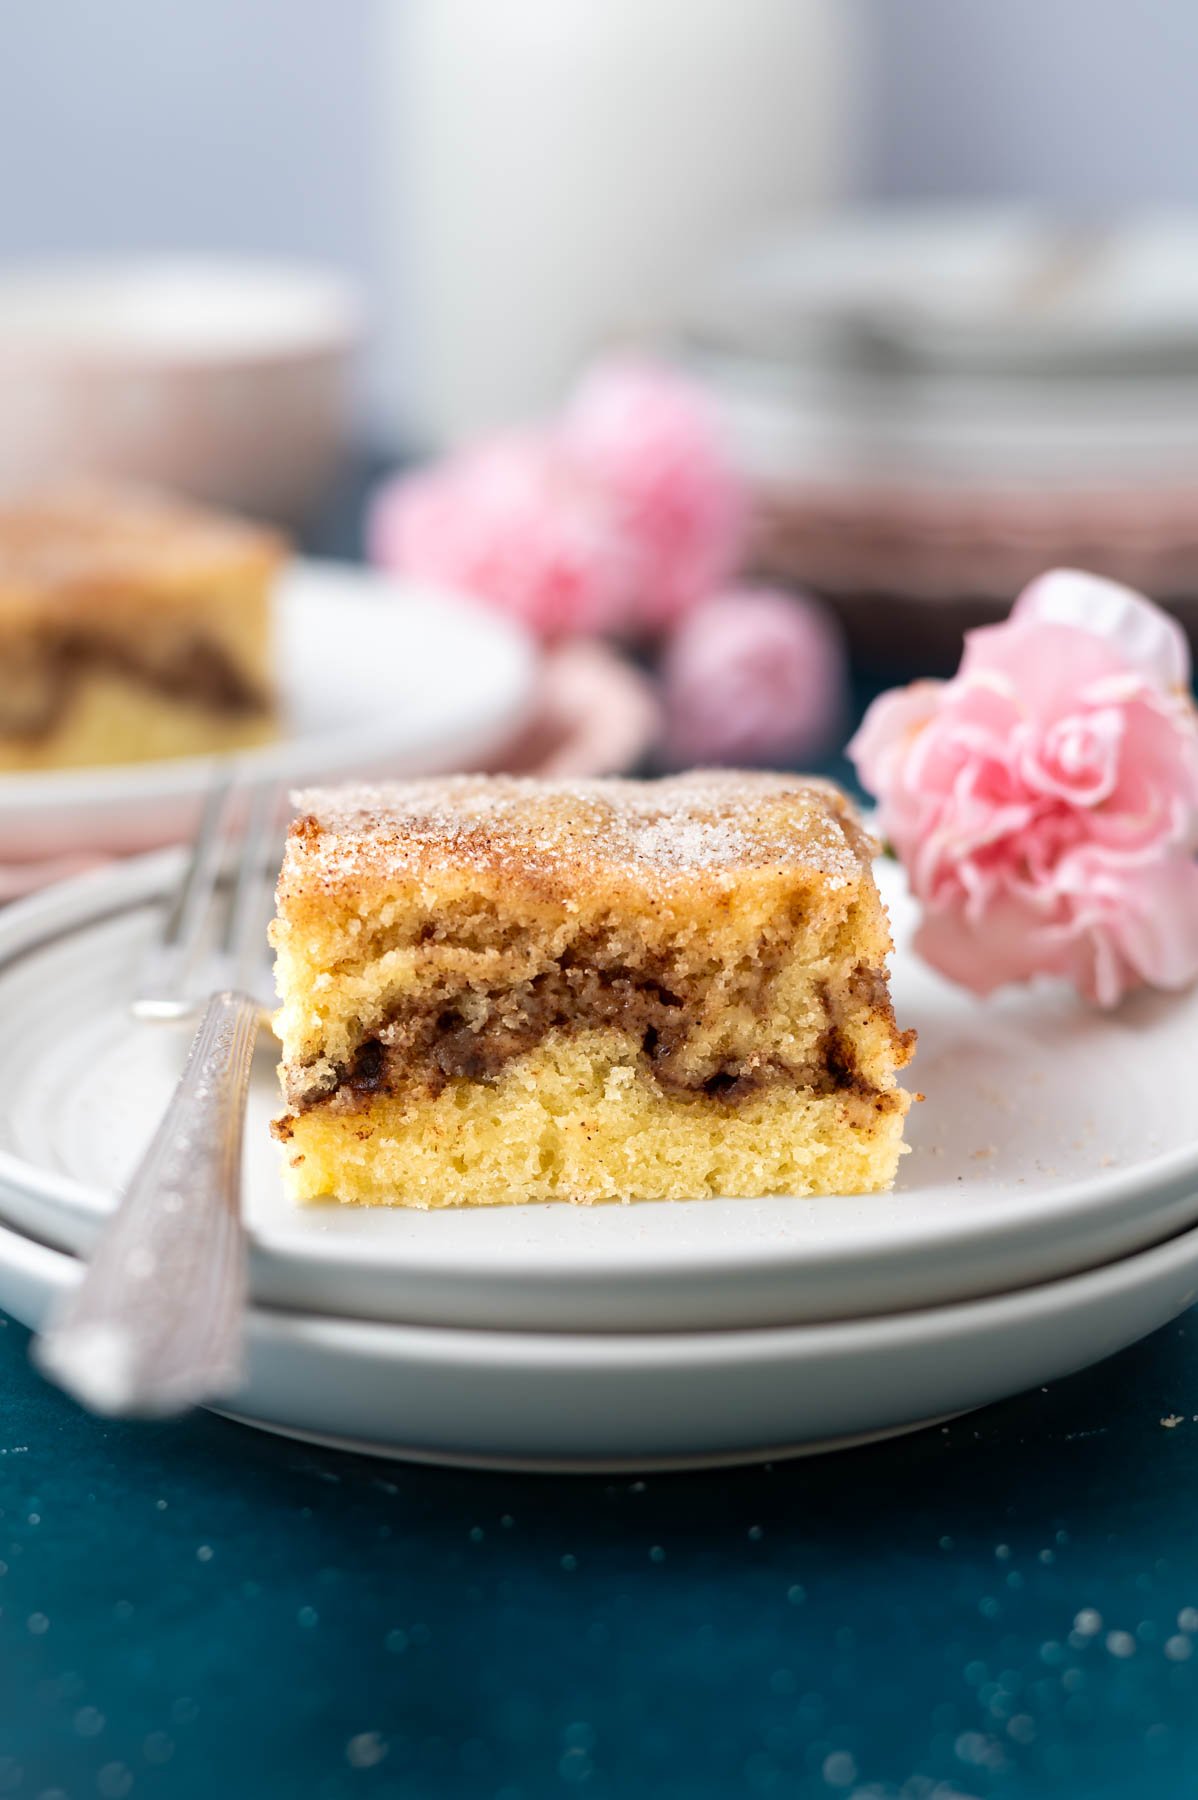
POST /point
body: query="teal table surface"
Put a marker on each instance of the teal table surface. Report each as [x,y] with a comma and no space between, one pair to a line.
[1002,1607]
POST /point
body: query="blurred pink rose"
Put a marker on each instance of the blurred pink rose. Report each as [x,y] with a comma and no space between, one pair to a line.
[652,441]
[753,676]
[1045,800]
[517,522]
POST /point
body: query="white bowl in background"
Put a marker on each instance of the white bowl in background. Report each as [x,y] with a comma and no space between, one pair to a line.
[220,378]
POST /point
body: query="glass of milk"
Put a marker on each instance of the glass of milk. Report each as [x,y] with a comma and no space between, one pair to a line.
[560,172]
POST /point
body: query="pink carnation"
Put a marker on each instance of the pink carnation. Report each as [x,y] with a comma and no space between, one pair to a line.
[651,440]
[517,522]
[753,676]
[1045,800]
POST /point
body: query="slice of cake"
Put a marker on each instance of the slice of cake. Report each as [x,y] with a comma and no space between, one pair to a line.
[500,990]
[131,627]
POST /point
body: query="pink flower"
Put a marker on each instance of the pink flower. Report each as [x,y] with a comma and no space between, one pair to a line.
[753,676]
[1045,800]
[517,522]
[651,440]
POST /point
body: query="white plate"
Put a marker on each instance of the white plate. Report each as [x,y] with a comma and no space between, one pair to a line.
[376,676]
[966,309]
[1053,1138]
[581,1402]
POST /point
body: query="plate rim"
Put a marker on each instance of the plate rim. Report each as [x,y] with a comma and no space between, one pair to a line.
[570,1403]
[74,905]
[462,1345]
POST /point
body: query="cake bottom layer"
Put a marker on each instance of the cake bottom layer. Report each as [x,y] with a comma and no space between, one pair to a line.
[575,1119]
[112,718]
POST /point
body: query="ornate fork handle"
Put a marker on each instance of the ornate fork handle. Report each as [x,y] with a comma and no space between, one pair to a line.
[155,1324]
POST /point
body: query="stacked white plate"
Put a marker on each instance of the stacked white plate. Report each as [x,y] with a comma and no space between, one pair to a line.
[1047,1216]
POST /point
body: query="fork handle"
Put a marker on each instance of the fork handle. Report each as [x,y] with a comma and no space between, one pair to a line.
[155,1325]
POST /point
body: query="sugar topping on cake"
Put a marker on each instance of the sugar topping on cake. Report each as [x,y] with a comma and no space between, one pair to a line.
[99,532]
[709,821]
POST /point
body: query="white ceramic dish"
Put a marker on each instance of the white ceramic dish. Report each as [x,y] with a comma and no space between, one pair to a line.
[558,1401]
[377,676]
[1052,1139]
[226,378]
[928,340]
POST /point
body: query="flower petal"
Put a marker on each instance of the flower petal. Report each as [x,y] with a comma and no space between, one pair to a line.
[1144,635]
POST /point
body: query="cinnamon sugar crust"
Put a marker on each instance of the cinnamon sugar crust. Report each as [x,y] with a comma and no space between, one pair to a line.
[565,833]
[74,547]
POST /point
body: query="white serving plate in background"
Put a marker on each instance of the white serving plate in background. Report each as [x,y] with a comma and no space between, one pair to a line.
[376,676]
[1053,1138]
[584,1402]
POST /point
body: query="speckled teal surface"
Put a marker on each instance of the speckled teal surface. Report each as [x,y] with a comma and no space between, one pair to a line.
[195,1611]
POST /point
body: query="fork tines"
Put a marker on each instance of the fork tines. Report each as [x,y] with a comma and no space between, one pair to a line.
[213,933]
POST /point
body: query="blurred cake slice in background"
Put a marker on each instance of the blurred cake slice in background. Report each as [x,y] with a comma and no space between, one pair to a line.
[132,627]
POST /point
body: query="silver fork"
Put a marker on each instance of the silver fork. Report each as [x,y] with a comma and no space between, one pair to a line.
[155,1324]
